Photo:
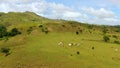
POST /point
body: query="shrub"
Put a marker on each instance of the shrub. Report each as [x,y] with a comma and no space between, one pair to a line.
[40,26]
[71,55]
[78,52]
[114,36]
[29,30]
[93,48]
[45,30]
[117,42]
[117,30]
[6,51]
[106,38]
[42,29]
[77,32]
[81,30]
[90,31]
[63,25]
[109,35]
[14,32]
[104,29]
[3,31]
[90,26]
[34,20]
[0,14]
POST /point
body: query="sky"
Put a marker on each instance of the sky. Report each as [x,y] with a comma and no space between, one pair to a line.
[102,12]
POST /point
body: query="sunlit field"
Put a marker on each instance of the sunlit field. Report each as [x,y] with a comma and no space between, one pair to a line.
[45,43]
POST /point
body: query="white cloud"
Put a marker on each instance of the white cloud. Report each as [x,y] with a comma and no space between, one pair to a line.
[100,13]
[61,11]
[18,1]
[40,7]
[105,21]
[101,16]
[59,7]
[72,14]
[115,2]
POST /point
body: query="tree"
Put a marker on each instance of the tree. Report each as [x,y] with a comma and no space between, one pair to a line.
[90,26]
[6,51]
[14,32]
[114,36]
[3,31]
[117,42]
[29,30]
[104,30]
[77,32]
[78,52]
[40,26]
[106,38]
[45,30]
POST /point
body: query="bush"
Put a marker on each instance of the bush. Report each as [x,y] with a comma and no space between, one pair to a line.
[106,38]
[117,30]
[78,52]
[29,30]
[63,25]
[90,26]
[45,30]
[77,32]
[3,31]
[117,42]
[104,29]
[40,26]
[14,32]
[80,30]
[6,51]
[90,31]
[93,48]
[114,36]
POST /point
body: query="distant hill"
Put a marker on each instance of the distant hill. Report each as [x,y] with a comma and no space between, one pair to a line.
[18,17]
[27,19]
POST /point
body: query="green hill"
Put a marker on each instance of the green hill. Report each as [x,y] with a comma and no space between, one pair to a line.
[48,43]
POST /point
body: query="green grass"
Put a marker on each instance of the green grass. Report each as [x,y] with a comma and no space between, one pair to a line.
[40,50]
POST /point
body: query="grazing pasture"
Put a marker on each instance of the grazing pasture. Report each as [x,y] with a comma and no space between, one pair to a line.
[45,43]
[42,51]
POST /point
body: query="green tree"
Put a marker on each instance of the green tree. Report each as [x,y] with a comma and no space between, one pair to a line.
[6,51]
[90,26]
[106,38]
[104,29]
[3,31]
[29,30]
[14,32]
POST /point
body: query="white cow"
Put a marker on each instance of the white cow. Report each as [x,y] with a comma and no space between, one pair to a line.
[70,44]
[116,49]
[60,44]
[78,44]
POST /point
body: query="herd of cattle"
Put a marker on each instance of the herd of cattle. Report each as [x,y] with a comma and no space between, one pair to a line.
[70,44]
[78,44]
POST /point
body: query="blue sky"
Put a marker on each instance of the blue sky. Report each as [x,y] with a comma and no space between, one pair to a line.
[87,11]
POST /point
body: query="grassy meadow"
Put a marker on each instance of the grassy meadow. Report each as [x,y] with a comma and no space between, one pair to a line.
[39,49]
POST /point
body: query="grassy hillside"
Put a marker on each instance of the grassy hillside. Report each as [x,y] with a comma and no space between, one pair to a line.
[38,44]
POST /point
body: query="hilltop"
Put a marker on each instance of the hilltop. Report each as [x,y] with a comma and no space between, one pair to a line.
[32,41]
[27,19]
